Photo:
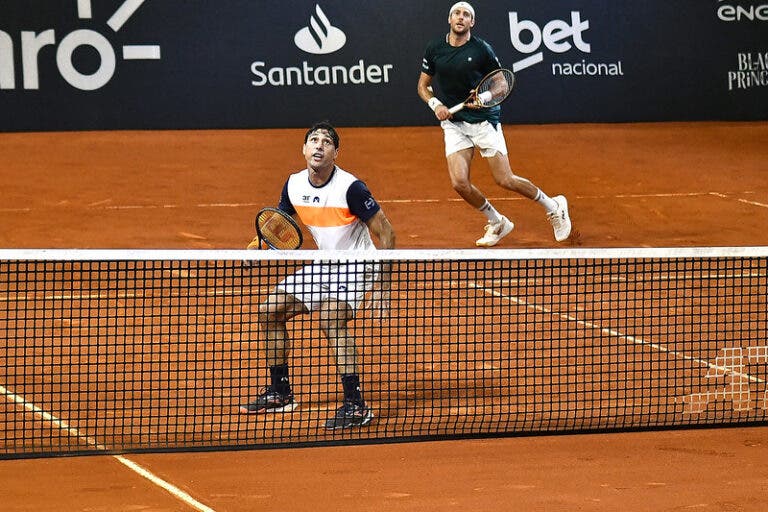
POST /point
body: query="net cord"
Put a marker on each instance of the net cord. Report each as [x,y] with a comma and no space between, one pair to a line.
[381,255]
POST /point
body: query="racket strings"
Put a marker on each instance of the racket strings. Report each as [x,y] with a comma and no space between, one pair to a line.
[499,84]
[278,232]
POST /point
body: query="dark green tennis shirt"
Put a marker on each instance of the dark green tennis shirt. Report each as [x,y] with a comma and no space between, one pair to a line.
[456,70]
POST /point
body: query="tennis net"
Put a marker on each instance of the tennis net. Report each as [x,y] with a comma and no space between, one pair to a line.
[106,351]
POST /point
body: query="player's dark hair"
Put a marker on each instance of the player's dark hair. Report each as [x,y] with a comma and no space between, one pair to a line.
[328,127]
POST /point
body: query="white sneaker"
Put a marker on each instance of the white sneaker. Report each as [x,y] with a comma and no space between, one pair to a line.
[560,220]
[495,231]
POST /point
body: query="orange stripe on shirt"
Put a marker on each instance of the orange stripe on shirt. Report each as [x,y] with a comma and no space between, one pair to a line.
[325,217]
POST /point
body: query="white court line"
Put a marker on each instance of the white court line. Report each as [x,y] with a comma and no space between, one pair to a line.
[99,205]
[172,489]
[415,201]
[610,332]
[47,417]
[740,200]
[227,292]
[660,278]
[140,207]
[753,203]
[72,431]
[666,194]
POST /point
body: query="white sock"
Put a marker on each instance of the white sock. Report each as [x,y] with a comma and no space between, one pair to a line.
[490,212]
[547,202]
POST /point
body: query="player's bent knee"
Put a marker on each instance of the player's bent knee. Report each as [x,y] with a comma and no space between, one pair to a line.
[509,184]
[462,187]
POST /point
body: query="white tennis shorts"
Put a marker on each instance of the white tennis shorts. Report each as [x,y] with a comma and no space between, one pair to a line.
[460,135]
[321,281]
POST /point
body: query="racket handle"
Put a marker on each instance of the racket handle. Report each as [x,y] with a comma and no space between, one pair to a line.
[456,108]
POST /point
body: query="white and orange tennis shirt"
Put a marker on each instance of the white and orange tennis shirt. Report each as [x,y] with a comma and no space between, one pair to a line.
[335,213]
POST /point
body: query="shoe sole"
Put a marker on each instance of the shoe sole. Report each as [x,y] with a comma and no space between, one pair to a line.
[285,408]
[501,235]
[562,202]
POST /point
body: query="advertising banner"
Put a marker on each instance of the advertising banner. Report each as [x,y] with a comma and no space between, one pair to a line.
[189,64]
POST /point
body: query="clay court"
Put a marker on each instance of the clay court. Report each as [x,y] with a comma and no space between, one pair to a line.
[633,185]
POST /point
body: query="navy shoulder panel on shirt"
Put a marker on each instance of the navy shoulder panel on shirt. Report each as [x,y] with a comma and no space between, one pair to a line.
[361,202]
[285,201]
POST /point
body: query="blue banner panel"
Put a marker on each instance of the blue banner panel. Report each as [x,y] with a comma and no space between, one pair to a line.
[187,64]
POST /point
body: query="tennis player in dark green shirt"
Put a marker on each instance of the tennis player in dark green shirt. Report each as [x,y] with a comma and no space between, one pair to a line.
[456,62]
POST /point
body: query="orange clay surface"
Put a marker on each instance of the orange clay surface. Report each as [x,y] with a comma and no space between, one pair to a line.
[640,185]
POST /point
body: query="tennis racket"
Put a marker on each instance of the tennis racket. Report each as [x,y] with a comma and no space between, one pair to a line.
[491,91]
[278,230]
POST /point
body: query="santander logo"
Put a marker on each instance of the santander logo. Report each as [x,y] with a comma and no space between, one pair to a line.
[320,37]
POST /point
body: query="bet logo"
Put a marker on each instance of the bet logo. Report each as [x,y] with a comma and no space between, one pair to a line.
[557,35]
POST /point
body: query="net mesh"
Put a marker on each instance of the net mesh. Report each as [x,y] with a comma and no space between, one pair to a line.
[120,351]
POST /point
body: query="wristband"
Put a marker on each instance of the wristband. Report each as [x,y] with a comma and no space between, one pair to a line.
[434,103]
[485,97]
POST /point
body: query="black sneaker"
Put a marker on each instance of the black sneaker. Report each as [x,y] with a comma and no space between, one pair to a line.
[270,401]
[351,414]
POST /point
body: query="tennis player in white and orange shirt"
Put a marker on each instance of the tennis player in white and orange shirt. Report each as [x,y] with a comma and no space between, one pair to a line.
[341,214]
